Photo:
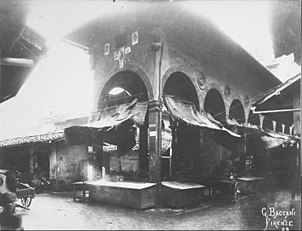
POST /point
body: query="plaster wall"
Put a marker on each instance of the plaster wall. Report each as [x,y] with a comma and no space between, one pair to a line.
[65,162]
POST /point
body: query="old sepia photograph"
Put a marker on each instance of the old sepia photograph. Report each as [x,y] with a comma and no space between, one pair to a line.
[150,115]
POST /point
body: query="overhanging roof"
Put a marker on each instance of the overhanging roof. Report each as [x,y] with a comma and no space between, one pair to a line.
[277,90]
[41,138]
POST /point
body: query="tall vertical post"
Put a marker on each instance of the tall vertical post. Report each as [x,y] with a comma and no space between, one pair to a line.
[0,79]
[155,141]
[143,150]
[155,123]
[31,160]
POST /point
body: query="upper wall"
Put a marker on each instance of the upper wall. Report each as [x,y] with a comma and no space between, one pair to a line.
[191,44]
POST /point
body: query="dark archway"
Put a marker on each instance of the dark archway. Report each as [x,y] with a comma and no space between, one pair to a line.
[213,151]
[129,81]
[122,88]
[180,85]
[237,111]
[185,137]
[253,118]
[214,105]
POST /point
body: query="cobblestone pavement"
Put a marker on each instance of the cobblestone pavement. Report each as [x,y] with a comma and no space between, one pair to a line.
[59,211]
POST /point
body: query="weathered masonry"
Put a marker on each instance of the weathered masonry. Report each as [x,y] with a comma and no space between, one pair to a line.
[157,49]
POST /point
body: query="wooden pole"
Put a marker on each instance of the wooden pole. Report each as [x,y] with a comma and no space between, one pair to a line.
[18,62]
[0,81]
[275,111]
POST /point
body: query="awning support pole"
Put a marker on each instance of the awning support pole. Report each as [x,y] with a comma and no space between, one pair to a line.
[275,111]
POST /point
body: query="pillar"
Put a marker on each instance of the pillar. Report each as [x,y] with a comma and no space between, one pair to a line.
[31,160]
[53,161]
[143,150]
[155,118]
[97,145]
[0,79]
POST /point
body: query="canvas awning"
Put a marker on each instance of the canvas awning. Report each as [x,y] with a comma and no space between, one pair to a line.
[273,139]
[270,139]
[186,112]
[115,123]
[117,114]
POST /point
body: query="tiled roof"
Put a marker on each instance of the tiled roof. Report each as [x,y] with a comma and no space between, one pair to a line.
[42,138]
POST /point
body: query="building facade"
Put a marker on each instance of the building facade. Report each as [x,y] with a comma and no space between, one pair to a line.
[153,50]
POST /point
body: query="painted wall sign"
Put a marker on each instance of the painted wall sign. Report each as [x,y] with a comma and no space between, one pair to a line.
[127,50]
[152,125]
[115,56]
[120,56]
[152,133]
[107,49]
[201,80]
[134,38]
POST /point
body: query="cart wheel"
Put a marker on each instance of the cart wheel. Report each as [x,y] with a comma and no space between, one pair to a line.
[236,192]
[26,201]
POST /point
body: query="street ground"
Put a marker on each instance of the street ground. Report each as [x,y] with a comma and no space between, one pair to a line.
[59,211]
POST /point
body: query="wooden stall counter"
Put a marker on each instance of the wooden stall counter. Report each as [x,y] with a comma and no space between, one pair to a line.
[80,190]
[139,195]
[177,195]
[249,184]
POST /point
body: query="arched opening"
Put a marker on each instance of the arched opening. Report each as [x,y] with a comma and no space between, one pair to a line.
[185,137]
[122,87]
[253,119]
[179,85]
[214,105]
[131,162]
[237,111]
[213,152]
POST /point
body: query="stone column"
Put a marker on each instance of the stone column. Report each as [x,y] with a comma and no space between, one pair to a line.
[143,150]
[155,118]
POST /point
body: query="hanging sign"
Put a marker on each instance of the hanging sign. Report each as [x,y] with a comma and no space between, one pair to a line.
[107,49]
[134,38]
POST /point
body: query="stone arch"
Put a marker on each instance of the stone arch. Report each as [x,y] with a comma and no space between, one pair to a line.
[128,80]
[136,70]
[215,105]
[185,151]
[236,111]
[253,118]
[186,71]
[181,86]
